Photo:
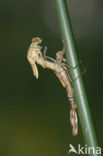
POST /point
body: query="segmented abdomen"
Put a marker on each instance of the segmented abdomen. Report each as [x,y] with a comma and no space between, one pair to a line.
[73,115]
[66,83]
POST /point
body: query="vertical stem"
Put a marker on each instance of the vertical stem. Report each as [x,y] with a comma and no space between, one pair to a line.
[79,90]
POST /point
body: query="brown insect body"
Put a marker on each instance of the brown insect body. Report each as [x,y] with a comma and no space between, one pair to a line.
[34,56]
[64,77]
[60,68]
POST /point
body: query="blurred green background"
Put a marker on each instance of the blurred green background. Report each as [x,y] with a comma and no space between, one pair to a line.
[34,114]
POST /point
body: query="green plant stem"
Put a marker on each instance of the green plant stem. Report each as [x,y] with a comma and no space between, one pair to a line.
[79,90]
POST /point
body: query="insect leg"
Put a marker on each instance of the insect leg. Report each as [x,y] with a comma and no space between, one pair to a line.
[72,80]
[64,60]
[80,74]
[69,66]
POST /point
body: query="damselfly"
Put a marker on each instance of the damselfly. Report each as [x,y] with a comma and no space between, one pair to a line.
[59,66]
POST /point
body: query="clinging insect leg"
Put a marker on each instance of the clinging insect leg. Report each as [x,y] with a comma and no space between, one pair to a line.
[70,66]
[64,60]
[80,74]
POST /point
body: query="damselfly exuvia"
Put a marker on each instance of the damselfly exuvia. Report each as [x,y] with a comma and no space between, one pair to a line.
[65,79]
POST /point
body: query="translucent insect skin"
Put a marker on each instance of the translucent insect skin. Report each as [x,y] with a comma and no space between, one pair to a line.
[59,66]
[64,77]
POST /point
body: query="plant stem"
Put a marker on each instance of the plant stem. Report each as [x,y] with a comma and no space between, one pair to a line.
[79,90]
